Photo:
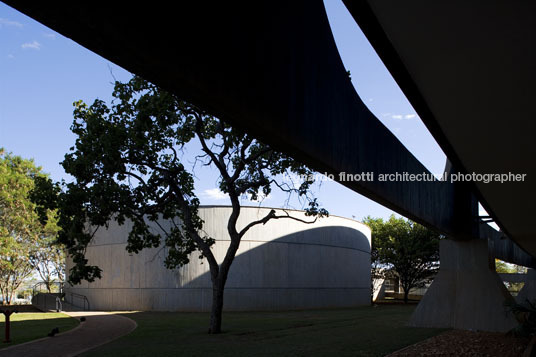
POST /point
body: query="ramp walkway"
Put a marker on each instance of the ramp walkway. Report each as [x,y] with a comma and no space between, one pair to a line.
[98,328]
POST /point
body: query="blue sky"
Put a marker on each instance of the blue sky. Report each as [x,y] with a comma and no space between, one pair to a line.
[42,73]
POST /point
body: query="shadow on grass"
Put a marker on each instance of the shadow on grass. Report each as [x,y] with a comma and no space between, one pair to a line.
[364,331]
[28,326]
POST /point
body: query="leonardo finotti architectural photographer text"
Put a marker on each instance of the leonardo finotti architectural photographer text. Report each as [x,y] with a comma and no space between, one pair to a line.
[424,176]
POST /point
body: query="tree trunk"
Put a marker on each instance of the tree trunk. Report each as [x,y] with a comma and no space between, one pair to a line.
[218,287]
[406,293]
[217,306]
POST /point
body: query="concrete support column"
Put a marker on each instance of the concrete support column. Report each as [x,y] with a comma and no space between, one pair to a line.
[378,291]
[528,292]
[466,293]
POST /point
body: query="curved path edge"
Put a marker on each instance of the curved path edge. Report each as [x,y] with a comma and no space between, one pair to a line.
[98,329]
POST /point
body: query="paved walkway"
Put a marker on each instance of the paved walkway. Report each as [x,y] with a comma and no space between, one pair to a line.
[98,329]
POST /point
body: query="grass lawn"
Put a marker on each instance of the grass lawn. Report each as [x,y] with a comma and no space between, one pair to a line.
[365,331]
[27,326]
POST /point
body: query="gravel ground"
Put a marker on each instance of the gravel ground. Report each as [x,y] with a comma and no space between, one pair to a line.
[467,343]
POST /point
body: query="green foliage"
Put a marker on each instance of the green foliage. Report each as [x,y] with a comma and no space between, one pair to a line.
[23,227]
[525,314]
[48,258]
[509,268]
[503,267]
[405,248]
[128,165]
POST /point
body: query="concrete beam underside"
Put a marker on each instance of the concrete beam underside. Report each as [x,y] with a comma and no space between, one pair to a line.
[282,80]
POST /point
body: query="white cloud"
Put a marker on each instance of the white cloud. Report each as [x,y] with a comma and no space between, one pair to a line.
[50,35]
[215,194]
[31,45]
[403,116]
[260,197]
[6,22]
[10,56]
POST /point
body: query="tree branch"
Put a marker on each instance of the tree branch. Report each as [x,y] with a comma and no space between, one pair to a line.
[205,248]
[272,215]
[206,149]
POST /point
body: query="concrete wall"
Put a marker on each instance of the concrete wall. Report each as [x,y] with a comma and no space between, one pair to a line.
[284,264]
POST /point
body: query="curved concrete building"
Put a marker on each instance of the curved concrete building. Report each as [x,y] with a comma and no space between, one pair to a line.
[284,264]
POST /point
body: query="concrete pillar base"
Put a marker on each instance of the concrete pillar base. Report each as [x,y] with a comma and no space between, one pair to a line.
[528,292]
[466,294]
[378,292]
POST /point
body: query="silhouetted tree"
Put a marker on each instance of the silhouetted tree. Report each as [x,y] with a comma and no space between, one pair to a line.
[127,164]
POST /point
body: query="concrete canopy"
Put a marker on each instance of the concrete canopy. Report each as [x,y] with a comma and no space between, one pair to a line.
[274,70]
[468,69]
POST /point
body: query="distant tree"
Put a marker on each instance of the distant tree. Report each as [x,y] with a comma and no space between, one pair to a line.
[52,264]
[21,230]
[48,260]
[48,257]
[407,249]
[508,268]
[127,164]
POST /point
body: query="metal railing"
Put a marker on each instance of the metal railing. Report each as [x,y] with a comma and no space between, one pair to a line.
[77,300]
[59,305]
[51,296]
